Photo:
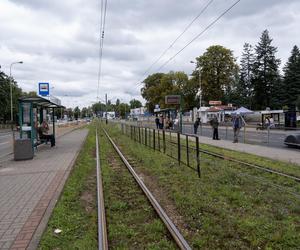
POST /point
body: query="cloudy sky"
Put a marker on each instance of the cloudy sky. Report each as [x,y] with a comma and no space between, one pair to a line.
[59,40]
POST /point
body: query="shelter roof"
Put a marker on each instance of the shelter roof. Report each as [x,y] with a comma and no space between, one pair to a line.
[40,101]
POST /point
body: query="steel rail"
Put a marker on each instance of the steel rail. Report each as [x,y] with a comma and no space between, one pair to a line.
[180,241]
[102,233]
[295,178]
[250,165]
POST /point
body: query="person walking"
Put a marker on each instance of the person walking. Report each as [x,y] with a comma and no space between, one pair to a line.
[215,124]
[196,125]
[237,124]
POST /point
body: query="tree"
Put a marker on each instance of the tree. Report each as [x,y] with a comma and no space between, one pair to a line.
[157,86]
[151,90]
[135,104]
[84,112]
[218,72]
[244,88]
[76,112]
[5,106]
[266,78]
[123,109]
[291,79]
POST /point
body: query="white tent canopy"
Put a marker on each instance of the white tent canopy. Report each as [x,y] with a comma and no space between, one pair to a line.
[242,111]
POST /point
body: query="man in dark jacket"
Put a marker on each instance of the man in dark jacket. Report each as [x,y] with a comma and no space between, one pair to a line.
[196,125]
[215,124]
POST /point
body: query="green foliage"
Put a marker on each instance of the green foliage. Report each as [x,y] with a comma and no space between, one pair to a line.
[5,106]
[266,78]
[158,85]
[291,79]
[151,90]
[244,88]
[135,104]
[219,72]
[76,112]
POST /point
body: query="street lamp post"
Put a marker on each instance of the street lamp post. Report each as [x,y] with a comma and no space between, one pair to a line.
[11,101]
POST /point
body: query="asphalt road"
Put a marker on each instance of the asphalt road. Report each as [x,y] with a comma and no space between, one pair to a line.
[273,138]
[6,146]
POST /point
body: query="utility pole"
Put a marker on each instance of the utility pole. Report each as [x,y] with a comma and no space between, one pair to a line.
[106,108]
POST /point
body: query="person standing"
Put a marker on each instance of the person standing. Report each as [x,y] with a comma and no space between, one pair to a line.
[237,124]
[157,122]
[215,124]
[196,125]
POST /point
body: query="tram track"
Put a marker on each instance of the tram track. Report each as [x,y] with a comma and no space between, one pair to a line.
[172,229]
[264,169]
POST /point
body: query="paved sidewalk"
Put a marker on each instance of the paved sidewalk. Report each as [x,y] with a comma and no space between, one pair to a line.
[286,155]
[29,190]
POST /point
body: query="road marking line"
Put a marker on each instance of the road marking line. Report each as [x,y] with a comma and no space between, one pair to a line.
[4,142]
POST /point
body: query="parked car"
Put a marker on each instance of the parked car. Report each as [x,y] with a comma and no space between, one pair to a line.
[292,140]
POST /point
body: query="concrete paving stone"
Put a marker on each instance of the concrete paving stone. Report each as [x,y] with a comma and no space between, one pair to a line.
[27,187]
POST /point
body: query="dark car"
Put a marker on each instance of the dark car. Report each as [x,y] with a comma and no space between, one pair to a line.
[292,140]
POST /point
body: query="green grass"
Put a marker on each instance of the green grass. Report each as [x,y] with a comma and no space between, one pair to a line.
[230,207]
[131,221]
[75,215]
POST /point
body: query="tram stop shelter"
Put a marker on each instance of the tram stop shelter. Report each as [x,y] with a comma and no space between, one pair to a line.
[32,111]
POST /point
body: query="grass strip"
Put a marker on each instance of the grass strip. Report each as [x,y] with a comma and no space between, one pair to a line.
[75,213]
[226,208]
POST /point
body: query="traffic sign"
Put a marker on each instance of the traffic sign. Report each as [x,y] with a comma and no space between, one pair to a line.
[44,88]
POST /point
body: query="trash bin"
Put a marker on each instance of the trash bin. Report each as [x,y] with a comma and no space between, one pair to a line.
[23,149]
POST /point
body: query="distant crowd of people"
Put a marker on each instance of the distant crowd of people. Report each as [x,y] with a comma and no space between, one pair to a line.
[237,123]
[162,122]
[237,120]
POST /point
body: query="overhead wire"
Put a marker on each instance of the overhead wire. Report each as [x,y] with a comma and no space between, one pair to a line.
[103,10]
[201,33]
[178,37]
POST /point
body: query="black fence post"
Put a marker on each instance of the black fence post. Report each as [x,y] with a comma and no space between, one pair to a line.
[139,134]
[198,156]
[178,146]
[164,141]
[187,150]
[146,136]
[171,144]
[134,136]
[131,132]
[158,138]
[153,139]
